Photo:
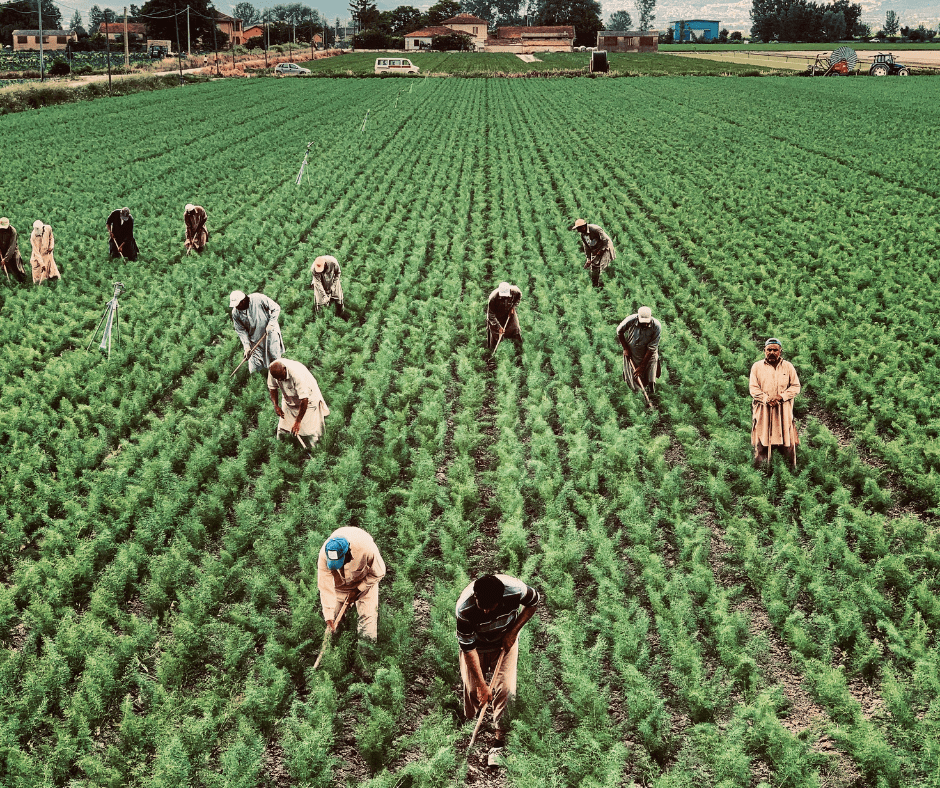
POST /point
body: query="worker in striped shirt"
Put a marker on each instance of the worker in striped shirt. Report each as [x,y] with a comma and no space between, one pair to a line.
[490,613]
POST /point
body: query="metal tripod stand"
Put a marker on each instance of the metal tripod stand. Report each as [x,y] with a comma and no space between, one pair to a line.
[110,322]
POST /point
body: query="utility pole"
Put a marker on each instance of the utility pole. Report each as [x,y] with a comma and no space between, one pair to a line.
[42,69]
[189,43]
[266,37]
[127,49]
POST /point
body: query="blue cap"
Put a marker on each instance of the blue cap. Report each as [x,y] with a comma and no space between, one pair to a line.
[773,341]
[335,550]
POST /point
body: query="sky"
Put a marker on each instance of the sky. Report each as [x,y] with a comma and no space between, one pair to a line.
[733,14]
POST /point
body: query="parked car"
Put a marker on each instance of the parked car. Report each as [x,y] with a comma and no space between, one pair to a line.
[395,65]
[884,65]
[290,70]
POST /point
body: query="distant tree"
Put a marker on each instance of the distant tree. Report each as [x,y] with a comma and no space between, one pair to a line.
[365,13]
[23,15]
[406,19]
[763,20]
[456,41]
[723,36]
[441,10]
[862,30]
[892,24]
[620,20]
[737,35]
[583,15]
[833,25]
[166,18]
[134,12]
[497,13]
[370,39]
[247,13]
[646,11]
[669,37]
[76,20]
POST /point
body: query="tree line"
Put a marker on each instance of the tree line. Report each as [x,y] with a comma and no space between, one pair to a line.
[805,20]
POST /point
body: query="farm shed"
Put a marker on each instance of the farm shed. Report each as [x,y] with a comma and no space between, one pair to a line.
[523,40]
[628,40]
[704,30]
[472,25]
[52,40]
[422,39]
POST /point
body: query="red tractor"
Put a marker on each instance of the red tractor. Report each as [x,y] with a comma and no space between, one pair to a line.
[841,62]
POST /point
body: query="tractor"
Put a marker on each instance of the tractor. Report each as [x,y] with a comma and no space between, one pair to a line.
[883,65]
[841,62]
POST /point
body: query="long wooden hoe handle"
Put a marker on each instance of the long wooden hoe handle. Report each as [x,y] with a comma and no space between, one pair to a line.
[642,387]
[476,730]
[248,356]
[502,329]
[329,632]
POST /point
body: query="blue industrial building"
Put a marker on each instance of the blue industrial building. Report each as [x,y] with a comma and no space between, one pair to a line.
[703,30]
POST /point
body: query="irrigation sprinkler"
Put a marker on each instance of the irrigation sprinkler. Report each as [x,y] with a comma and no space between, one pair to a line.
[303,166]
[363,128]
[110,321]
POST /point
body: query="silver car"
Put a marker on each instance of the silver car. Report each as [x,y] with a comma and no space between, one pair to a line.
[290,70]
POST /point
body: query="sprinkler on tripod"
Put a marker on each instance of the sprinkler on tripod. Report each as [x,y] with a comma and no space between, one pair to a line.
[110,322]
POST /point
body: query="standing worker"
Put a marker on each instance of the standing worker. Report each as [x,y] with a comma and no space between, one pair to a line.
[197,234]
[488,624]
[10,258]
[639,336]
[121,241]
[350,567]
[501,317]
[774,384]
[598,249]
[42,261]
[326,284]
[255,319]
[304,410]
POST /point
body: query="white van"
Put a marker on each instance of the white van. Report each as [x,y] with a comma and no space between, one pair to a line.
[395,65]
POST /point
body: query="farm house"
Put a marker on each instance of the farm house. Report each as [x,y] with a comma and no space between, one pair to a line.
[423,38]
[628,40]
[52,40]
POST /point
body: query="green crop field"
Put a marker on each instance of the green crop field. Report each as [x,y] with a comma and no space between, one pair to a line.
[706,623]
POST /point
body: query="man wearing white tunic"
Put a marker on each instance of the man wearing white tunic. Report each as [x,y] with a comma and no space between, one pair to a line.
[326,284]
[774,384]
[255,316]
[304,411]
[41,260]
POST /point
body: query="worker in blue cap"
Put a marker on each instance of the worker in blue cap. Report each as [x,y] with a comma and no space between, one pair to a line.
[350,567]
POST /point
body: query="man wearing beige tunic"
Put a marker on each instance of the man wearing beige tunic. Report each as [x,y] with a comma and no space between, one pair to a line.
[350,567]
[774,385]
[197,234]
[10,258]
[598,249]
[490,613]
[41,260]
[304,411]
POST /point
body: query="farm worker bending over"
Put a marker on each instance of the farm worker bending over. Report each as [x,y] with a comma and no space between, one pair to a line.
[639,336]
[350,566]
[255,319]
[598,249]
[304,410]
[42,261]
[488,623]
[501,317]
[774,384]
[197,234]
[10,258]
[121,241]
[326,284]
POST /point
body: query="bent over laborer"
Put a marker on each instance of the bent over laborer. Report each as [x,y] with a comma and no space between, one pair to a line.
[255,319]
[639,336]
[490,613]
[501,318]
[42,260]
[302,410]
[10,259]
[773,384]
[598,249]
[326,284]
[121,241]
[197,233]
[350,567]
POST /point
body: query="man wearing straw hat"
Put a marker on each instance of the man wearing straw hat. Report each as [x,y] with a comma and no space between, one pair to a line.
[598,249]
[197,234]
[326,284]
[304,410]
[639,336]
[501,318]
[42,261]
[255,319]
[121,241]
[490,613]
[349,568]
[10,259]
[773,384]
